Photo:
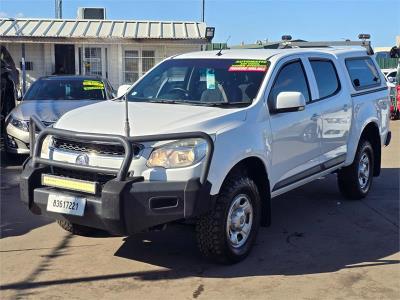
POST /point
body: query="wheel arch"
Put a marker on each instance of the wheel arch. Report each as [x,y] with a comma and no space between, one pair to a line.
[371,134]
[255,168]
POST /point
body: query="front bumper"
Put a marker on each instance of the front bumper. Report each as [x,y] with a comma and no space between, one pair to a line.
[123,207]
[124,204]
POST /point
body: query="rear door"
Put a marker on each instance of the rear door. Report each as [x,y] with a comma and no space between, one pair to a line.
[296,135]
[335,108]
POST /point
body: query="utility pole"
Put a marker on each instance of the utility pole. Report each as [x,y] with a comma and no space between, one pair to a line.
[58,9]
[203,6]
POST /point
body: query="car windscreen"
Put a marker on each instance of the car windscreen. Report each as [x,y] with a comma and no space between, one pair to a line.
[201,81]
[66,89]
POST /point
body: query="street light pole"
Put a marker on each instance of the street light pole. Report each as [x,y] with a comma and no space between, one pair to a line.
[203,6]
[58,8]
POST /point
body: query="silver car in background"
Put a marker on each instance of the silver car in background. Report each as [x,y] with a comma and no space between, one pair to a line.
[49,98]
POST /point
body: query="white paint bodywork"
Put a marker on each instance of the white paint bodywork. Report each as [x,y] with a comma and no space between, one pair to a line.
[283,142]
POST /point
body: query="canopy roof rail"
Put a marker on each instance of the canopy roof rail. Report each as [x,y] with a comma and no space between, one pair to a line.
[287,43]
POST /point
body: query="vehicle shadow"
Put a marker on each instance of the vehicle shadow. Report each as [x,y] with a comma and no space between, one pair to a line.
[15,218]
[313,231]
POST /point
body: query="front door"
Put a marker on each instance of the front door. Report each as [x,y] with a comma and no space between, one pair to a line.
[64,59]
[296,145]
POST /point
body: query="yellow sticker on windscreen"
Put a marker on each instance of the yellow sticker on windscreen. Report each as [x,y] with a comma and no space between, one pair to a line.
[92,85]
[247,65]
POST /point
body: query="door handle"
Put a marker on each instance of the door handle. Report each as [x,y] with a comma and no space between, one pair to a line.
[315,117]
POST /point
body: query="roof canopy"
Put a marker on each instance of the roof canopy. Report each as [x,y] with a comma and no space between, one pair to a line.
[101,29]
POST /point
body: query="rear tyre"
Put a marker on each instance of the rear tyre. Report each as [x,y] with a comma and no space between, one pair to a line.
[355,180]
[227,233]
[78,229]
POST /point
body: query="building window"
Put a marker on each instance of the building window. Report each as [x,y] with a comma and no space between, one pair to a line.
[148,60]
[131,71]
[92,64]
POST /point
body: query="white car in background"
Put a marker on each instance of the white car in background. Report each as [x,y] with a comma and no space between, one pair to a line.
[49,98]
[390,75]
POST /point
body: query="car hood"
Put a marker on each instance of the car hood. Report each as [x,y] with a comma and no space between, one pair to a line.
[108,117]
[47,110]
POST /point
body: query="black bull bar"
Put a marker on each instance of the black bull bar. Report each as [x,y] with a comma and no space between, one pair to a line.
[36,144]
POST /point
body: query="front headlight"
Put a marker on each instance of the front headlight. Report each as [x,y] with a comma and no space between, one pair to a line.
[20,124]
[178,154]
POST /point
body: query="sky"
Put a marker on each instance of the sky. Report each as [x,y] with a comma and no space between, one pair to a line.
[244,20]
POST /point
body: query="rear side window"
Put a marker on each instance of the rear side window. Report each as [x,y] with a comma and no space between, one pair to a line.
[326,77]
[363,73]
[291,78]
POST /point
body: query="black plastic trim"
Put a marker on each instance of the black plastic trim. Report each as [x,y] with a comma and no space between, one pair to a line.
[388,138]
[310,172]
[369,92]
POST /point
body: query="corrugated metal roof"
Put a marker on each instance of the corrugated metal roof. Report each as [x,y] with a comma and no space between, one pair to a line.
[129,29]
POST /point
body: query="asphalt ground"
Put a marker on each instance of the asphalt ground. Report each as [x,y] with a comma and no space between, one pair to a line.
[318,247]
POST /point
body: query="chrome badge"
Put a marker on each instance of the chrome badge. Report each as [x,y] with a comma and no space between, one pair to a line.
[82,159]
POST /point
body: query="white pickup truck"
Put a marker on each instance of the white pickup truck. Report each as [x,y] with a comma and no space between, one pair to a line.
[211,137]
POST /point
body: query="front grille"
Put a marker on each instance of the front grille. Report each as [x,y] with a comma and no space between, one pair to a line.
[95,148]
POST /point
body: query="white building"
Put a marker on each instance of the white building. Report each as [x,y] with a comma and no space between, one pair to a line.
[121,51]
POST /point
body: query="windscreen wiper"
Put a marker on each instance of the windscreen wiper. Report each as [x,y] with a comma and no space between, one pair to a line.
[167,101]
[227,104]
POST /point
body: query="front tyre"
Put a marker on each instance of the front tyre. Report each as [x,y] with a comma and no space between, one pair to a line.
[228,233]
[355,180]
[77,229]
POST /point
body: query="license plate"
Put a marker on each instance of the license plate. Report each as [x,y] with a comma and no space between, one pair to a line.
[64,204]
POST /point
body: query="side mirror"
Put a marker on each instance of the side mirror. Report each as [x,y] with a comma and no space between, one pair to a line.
[289,101]
[123,89]
[19,96]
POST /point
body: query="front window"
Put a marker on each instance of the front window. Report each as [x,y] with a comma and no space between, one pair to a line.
[202,82]
[291,78]
[66,89]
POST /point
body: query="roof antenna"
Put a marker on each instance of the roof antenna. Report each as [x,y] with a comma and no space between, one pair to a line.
[127,127]
[220,50]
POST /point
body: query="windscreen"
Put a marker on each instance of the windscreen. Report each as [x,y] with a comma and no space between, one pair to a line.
[201,81]
[66,89]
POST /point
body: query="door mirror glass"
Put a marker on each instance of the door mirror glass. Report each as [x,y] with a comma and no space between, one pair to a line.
[289,101]
[122,90]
